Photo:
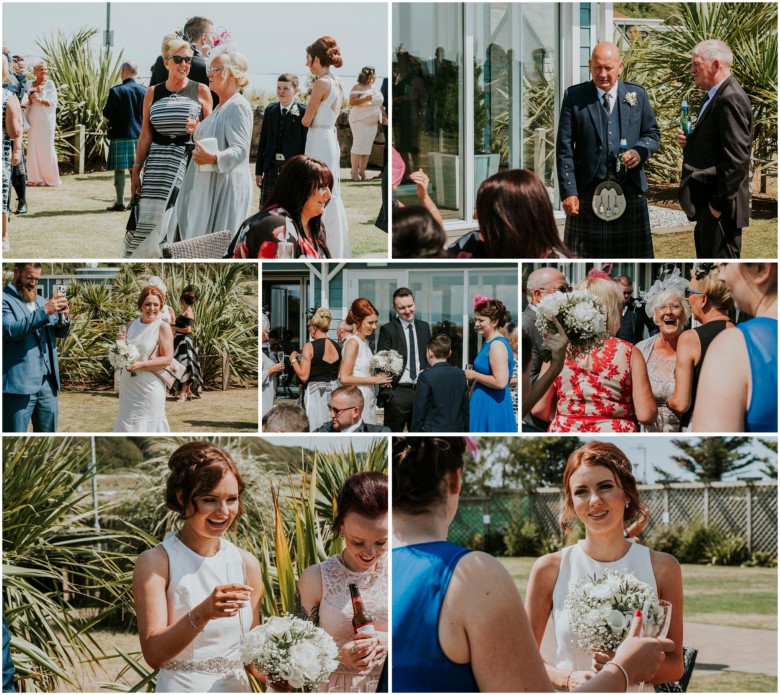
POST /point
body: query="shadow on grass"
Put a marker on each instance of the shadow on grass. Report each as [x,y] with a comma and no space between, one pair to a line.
[215,424]
[67,213]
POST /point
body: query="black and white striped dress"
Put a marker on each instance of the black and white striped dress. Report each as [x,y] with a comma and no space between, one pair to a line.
[164,167]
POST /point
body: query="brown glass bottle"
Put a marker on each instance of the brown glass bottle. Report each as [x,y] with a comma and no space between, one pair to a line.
[362,622]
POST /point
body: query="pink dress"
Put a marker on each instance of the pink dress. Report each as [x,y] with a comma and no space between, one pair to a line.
[336,617]
[42,167]
[594,392]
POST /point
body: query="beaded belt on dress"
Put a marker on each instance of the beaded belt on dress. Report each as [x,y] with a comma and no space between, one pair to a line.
[216,664]
[326,127]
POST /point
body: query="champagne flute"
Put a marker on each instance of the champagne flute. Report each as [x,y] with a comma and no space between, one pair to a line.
[192,121]
[656,616]
[236,574]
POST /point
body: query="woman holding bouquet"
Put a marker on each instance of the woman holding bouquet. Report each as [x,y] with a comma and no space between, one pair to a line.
[197,594]
[323,589]
[458,619]
[600,491]
[490,408]
[141,391]
[606,389]
[356,356]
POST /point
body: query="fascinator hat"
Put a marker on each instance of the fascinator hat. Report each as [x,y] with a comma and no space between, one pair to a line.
[669,280]
[398,168]
[156,281]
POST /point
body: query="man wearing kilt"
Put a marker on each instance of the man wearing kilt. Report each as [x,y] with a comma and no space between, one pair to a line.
[595,117]
[124,113]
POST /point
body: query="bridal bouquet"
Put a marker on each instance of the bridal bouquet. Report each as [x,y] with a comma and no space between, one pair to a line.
[582,317]
[122,354]
[601,609]
[388,361]
[291,651]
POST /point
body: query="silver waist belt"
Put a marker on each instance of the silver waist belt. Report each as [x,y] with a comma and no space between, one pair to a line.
[325,127]
[216,664]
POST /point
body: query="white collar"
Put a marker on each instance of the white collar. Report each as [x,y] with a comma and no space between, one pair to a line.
[613,93]
[358,424]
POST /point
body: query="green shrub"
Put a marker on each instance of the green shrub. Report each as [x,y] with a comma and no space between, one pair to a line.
[760,558]
[523,538]
[696,538]
[727,549]
[493,543]
[551,543]
[666,539]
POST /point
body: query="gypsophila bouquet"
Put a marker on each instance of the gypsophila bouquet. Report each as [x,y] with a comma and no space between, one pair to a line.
[601,608]
[388,361]
[122,354]
[291,650]
[582,317]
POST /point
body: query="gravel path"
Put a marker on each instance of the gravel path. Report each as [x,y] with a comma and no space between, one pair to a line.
[662,218]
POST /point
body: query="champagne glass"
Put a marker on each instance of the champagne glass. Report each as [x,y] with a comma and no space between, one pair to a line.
[192,121]
[280,357]
[236,574]
[285,249]
[656,616]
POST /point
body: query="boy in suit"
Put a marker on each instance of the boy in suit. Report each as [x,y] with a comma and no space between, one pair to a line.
[441,400]
[282,135]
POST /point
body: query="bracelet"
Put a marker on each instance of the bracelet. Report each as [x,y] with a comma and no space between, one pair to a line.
[623,670]
[568,684]
[200,629]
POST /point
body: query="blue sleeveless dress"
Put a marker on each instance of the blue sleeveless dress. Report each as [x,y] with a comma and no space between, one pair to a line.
[490,410]
[421,575]
[761,339]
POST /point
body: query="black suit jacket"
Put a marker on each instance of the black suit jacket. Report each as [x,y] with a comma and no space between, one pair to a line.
[197,72]
[441,400]
[633,322]
[124,109]
[293,137]
[364,427]
[391,337]
[529,326]
[716,158]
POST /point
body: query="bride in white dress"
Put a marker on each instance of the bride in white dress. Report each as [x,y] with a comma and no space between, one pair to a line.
[141,392]
[356,356]
[321,142]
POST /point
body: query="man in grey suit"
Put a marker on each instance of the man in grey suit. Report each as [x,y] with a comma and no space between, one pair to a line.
[346,410]
[31,375]
[715,185]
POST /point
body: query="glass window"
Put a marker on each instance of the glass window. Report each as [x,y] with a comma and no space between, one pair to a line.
[439,298]
[500,283]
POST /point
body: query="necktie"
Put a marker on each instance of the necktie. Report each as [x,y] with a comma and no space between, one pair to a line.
[701,108]
[606,98]
[412,354]
[284,112]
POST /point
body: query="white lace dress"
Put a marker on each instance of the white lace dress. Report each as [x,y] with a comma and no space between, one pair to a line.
[322,144]
[210,662]
[336,617]
[361,368]
[142,397]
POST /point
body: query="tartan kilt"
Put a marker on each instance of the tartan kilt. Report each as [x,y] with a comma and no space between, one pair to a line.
[269,181]
[20,169]
[627,237]
[121,153]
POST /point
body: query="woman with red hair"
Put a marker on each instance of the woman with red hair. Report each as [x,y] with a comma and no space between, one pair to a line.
[356,356]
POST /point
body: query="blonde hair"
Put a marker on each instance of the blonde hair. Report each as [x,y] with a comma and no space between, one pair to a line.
[321,319]
[6,69]
[234,63]
[611,299]
[171,44]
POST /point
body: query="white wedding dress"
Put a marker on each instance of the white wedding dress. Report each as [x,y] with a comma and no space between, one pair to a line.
[210,663]
[361,368]
[322,144]
[142,397]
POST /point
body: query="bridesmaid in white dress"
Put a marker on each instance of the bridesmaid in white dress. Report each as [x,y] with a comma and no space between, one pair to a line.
[196,594]
[356,355]
[600,491]
[141,392]
[321,142]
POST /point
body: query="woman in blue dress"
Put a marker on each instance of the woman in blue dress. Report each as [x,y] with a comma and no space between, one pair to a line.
[490,409]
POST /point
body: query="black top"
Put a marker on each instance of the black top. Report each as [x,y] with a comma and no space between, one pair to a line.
[189,91]
[183,321]
[706,332]
[320,369]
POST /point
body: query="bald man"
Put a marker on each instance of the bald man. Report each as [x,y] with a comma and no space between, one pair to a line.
[595,116]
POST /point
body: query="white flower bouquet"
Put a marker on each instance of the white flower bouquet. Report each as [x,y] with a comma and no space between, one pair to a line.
[291,651]
[122,354]
[582,317]
[601,608]
[389,361]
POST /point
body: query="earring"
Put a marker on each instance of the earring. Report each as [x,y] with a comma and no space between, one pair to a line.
[628,504]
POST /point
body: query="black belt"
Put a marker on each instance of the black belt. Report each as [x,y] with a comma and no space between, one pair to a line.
[406,386]
[160,139]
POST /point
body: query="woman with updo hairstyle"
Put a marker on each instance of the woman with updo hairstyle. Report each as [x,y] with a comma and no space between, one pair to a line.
[196,594]
[322,111]
[490,408]
[600,491]
[163,149]
[356,356]
[365,115]
[607,389]
[317,366]
[450,603]
[417,234]
[185,348]
[217,191]
[42,165]
[141,392]
[362,522]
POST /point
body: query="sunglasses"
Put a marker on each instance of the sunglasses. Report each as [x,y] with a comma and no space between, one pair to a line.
[689,292]
[181,59]
[337,411]
[214,71]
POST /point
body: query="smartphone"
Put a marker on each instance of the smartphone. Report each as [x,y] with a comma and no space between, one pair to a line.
[62,291]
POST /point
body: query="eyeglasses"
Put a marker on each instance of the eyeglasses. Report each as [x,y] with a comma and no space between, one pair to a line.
[689,292]
[564,288]
[331,409]
[214,71]
[181,59]
[673,307]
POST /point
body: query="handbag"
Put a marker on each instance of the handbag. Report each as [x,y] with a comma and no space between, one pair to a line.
[211,245]
[171,374]
[133,220]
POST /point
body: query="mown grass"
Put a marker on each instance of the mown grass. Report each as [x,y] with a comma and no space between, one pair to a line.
[733,682]
[759,240]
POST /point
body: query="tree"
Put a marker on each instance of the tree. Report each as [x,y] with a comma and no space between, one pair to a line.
[770,462]
[713,458]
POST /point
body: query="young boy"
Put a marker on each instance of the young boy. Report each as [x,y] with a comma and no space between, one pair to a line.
[441,400]
[282,135]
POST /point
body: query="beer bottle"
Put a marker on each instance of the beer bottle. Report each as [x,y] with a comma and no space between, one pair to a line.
[362,622]
[685,119]
[622,169]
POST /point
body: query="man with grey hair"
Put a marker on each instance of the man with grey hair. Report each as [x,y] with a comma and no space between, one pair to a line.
[715,185]
[124,113]
[286,417]
[343,329]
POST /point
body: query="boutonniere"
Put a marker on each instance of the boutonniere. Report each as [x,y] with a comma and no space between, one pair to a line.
[630,98]
[295,111]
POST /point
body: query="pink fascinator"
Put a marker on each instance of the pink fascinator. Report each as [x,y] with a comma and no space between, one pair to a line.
[481,299]
[398,168]
[471,445]
[602,274]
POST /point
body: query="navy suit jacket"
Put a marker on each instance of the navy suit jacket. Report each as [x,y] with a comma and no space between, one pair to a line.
[124,110]
[633,322]
[441,400]
[364,427]
[580,148]
[716,158]
[293,138]
[29,341]
[391,337]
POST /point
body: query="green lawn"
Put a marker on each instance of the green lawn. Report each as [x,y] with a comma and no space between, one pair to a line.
[733,682]
[758,241]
